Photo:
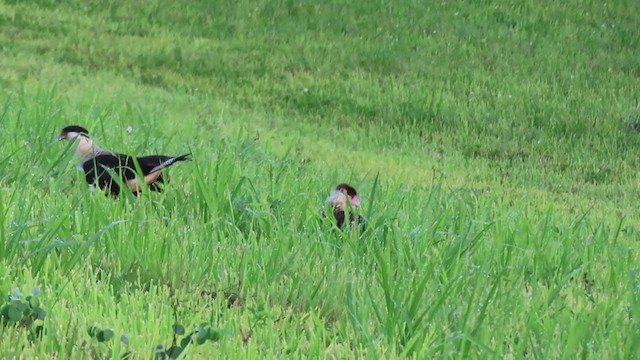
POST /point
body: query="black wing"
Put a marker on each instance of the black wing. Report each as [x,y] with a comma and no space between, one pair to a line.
[339,215]
[95,171]
[354,220]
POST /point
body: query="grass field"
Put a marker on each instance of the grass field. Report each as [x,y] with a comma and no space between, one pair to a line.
[494,144]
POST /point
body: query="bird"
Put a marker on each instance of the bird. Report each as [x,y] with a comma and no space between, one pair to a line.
[100,166]
[337,200]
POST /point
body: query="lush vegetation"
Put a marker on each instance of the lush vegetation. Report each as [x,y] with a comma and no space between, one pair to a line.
[494,144]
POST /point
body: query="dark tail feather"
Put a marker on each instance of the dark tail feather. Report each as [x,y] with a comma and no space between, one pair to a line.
[169,162]
[185,157]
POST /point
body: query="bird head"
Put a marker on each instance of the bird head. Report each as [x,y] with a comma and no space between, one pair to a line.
[340,194]
[71,132]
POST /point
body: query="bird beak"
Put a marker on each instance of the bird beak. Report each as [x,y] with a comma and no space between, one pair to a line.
[60,137]
[355,201]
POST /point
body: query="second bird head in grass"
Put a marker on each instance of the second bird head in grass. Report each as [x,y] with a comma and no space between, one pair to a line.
[340,194]
[341,197]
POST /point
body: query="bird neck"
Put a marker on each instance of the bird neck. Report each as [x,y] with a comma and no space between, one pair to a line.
[87,148]
[338,199]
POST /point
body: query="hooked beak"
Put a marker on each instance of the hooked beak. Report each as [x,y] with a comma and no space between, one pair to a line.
[355,201]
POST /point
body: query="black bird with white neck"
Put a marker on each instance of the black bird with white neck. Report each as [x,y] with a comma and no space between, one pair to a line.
[99,164]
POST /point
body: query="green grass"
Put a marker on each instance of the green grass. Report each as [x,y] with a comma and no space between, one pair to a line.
[491,144]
